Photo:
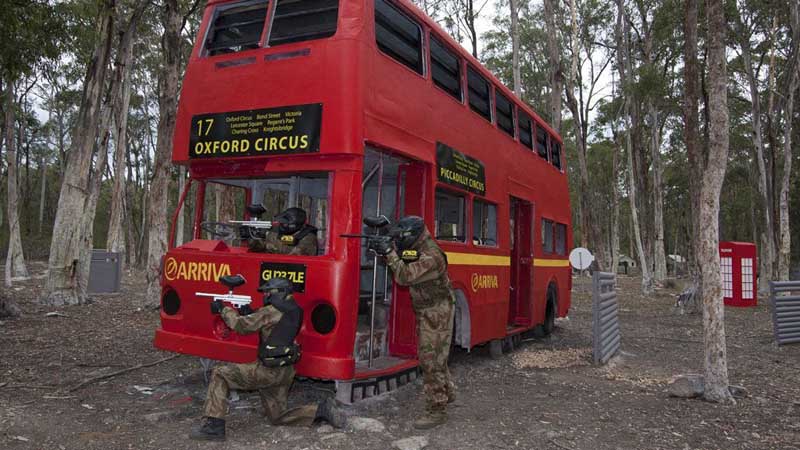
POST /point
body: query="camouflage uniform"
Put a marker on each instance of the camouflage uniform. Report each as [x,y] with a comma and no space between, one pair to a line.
[273,383]
[433,301]
[273,244]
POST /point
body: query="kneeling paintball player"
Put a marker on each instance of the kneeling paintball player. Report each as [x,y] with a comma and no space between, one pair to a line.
[277,323]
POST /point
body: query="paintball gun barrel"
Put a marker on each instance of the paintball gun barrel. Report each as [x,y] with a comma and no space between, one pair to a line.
[236,300]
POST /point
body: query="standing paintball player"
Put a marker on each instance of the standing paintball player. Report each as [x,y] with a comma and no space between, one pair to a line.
[422,266]
[277,323]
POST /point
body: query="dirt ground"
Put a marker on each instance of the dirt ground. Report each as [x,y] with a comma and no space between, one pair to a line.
[544,395]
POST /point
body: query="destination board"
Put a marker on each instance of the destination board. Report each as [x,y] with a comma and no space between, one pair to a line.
[256,132]
[460,170]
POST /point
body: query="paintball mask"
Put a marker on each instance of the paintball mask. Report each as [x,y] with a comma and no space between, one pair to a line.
[406,231]
[275,291]
[290,221]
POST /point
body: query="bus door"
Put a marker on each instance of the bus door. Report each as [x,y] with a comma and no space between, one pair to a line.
[392,187]
[519,305]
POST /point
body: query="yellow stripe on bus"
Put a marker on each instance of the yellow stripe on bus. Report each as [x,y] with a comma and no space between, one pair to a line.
[551,262]
[475,259]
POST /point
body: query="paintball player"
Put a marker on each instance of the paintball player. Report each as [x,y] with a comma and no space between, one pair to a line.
[277,323]
[422,266]
[294,236]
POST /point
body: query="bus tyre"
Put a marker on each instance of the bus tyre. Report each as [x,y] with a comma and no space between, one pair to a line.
[496,348]
[546,329]
[550,312]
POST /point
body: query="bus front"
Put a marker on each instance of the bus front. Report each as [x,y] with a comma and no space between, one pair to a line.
[264,125]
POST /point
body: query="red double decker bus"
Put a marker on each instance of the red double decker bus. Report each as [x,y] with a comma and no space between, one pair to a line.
[349,109]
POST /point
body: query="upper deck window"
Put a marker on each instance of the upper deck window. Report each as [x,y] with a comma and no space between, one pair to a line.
[555,155]
[445,69]
[303,20]
[525,130]
[236,28]
[505,114]
[398,36]
[541,142]
[479,94]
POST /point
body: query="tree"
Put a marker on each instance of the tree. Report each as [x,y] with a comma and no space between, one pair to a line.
[554,63]
[168,79]
[64,284]
[716,363]
[515,47]
[32,32]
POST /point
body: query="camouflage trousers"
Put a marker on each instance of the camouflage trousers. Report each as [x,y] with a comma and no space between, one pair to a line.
[435,332]
[272,384]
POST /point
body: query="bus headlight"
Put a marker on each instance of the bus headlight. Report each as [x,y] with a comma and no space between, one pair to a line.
[323,318]
[170,303]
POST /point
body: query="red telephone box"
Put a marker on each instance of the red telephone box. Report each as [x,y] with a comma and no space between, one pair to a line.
[738,265]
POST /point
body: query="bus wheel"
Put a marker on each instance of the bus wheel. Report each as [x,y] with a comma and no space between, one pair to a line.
[496,348]
[550,312]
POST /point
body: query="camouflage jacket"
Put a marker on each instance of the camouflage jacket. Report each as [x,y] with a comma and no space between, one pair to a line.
[273,244]
[260,321]
[426,277]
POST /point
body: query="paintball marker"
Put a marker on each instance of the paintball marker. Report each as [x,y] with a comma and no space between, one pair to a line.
[240,302]
[377,222]
[376,240]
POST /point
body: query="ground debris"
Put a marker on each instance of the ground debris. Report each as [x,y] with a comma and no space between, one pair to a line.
[551,359]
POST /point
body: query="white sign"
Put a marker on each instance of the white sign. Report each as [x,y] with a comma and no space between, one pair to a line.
[580,258]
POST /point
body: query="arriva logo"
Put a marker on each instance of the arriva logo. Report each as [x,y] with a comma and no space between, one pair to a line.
[194,271]
[479,281]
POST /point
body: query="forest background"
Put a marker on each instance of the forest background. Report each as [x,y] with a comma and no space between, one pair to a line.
[90,89]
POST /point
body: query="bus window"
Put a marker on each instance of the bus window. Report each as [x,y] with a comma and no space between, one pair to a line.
[541,142]
[398,36]
[547,236]
[307,191]
[525,130]
[484,223]
[505,114]
[303,20]
[236,27]
[561,239]
[556,155]
[479,94]
[445,69]
[450,216]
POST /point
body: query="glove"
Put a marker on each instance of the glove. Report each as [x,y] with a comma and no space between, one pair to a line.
[216,306]
[245,310]
[381,245]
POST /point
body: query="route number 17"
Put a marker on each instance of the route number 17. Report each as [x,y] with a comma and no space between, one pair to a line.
[204,123]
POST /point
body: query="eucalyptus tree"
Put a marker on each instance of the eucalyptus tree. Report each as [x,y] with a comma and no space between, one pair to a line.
[32,32]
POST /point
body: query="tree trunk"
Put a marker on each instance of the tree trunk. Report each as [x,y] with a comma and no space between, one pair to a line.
[767,257]
[691,133]
[115,241]
[784,258]
[716,363]
[660,271]
[182,213]
[15,258]
[624,69]
[554,69]
[515,48]
[63,283]
[42,192]
[159,189]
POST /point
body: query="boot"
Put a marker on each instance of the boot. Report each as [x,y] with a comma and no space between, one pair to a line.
[213,429]
[331,413]
[431,419]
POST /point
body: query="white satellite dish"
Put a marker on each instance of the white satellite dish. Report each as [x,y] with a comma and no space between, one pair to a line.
[580,258]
